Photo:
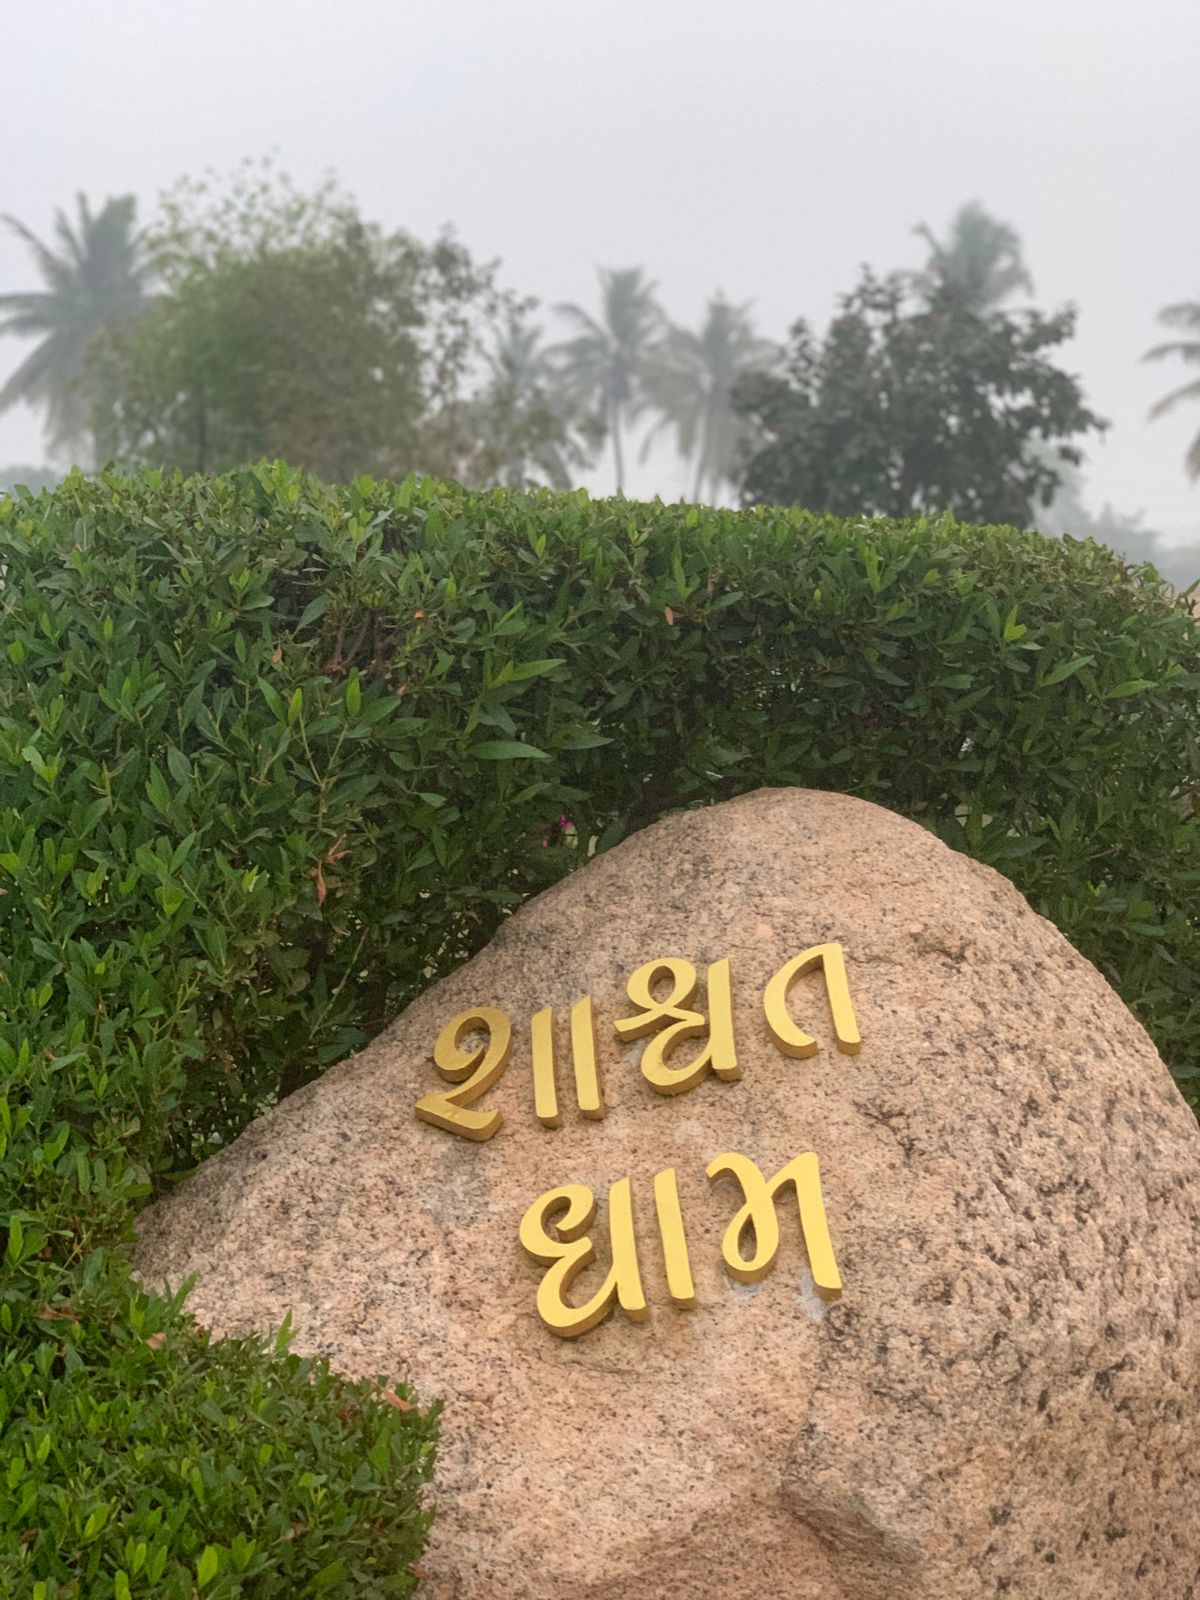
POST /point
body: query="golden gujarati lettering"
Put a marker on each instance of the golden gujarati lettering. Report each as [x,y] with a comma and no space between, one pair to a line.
[792,1040]
[759,1215]
[664,1022]
[677,1023]
[566,1255]
[583,1056]
[474,1070]
[571,1210]
[674,1241]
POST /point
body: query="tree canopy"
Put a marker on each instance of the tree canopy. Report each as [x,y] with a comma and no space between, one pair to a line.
[255,320]
[529,430]
[604,365]
[98,279]
[290,328]
[689,380]
[980,255]
[918,400]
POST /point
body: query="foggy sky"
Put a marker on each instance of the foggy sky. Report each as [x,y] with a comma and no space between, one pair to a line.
[763,147]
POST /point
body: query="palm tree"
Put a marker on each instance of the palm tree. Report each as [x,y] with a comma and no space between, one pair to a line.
[529,428]
[603,366]
[981,255]
[690,380]
[100,276]
[1185,315]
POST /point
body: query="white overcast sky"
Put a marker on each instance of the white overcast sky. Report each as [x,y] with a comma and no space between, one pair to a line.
[763,147]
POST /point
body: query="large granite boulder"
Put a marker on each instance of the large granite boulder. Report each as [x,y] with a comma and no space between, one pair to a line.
[1003,1400]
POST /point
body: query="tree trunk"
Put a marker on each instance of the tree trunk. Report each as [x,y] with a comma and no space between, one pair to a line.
[618,459]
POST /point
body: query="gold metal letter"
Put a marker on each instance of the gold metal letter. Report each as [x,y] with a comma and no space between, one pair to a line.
[793,1041]
[758,1213]
[545,1088]
[475,1071]
[674,1240]
[566,1256]
[720,1053]
[583,1054]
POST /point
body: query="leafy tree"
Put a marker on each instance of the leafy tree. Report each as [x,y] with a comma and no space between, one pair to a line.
[1185,316]
[916,402]
[981,256]
[690,380]
[604,366]
[528,429]
[99,279]
[292,328]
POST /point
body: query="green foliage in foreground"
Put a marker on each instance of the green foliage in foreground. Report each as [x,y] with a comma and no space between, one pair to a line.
[141,1460]
[272,756]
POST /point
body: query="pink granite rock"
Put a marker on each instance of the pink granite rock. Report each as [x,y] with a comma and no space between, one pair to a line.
[1005,1400]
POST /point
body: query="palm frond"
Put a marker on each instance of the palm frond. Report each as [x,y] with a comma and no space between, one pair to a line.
[74,244]
[689,380]
[38,311]
[1185,349]
[1188,391]
[53,269]
[981,256]
[1183,314]
[582,318]
[29,381]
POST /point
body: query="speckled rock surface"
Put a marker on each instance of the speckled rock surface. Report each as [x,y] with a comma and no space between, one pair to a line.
[1005,1400]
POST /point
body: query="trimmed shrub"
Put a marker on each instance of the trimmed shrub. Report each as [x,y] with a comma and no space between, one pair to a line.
[273,756]
[141,1460]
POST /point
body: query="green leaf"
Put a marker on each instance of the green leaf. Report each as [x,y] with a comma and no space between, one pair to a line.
[179,766]
[536,669]
[313,610]
[272,696]
[1014,630]
[1017,849]
[1131,686]
[208,1565]
[328,1576]
[508,750]
[954,680]
[1065,669]
[96,1521]
[159,793]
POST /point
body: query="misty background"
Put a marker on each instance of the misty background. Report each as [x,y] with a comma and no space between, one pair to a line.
[767,150]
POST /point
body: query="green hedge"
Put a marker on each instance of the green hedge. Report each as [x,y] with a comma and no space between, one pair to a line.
[273,755]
